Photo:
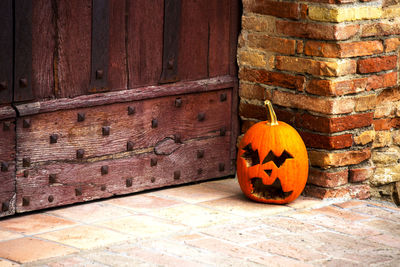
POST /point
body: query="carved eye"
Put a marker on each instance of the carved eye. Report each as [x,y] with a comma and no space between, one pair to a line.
[251,156]
[277,160]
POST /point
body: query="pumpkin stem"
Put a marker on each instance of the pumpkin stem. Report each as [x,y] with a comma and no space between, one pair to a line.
[272,120]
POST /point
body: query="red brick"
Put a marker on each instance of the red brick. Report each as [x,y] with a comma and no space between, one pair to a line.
[316,30]
[316,67]
[252,111]
[285,116]
[361,174]
[376,64]
[365,102]
[362,191]
[324,193]
[246,124]
[273,78]
[360,120]
[300,47]
[314,123]
[331,178]
[333,1]
[271,44]
[392,44]
[303,11]
[288,10]
[353,191]
[327,142]
[389,95]
[320,105]
[380,29]
[382,81]
[252,91]
[386,124]
[327,159]
[343,50]
[333,125]
[336,88]
[386,3]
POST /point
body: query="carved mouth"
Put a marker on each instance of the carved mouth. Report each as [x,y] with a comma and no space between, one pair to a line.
[273,191]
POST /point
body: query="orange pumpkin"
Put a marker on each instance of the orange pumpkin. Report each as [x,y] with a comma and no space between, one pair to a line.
[272,161]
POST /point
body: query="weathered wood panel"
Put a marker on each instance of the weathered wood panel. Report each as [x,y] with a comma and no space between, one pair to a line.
[7,167]
[144,41]
[142,122]
[23,10]
[194,37]
[142,93]
[117,72]
[6,51]
[43,48]
[61,183]
[219,43]
[234,29]
[73,22]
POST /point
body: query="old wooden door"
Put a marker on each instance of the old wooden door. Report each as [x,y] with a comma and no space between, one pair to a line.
[110,97]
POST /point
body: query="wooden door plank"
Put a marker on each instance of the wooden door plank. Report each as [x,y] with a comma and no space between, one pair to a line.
[61,183]
[6,51]
[172,28]
[73,44]
[147,92]
[137,127]
[43,49]
[23,10]
[219,44]
[145,41]
[234,29]
[193,56]
[100,40]
[117,78]
[7,167]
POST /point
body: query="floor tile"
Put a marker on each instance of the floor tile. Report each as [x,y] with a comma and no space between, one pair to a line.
[385,226]
[26,249]
[287,249]
[157,258]
[90,212]
[194,216]
[376,211]
[6,235]
[289,225]
[227,249]
[350,204]
[85,237]
[5,263]
[239,232]
[72,261]
[110,258]
[193,193]
[230,185]
[35,223]
[143,202]
[192,253]
[242,206]
[141,226]
[340,213]
[306,203]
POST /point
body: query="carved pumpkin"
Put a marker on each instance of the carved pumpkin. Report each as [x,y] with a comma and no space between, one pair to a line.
[272,162]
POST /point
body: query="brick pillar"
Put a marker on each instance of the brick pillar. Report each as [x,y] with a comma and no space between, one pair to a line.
[328,66]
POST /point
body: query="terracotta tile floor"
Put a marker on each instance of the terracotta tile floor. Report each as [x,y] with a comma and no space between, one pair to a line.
[207,224]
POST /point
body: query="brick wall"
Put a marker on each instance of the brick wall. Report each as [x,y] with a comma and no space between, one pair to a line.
[330,67]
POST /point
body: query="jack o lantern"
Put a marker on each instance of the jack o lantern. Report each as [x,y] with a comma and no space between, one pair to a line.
[272,161]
